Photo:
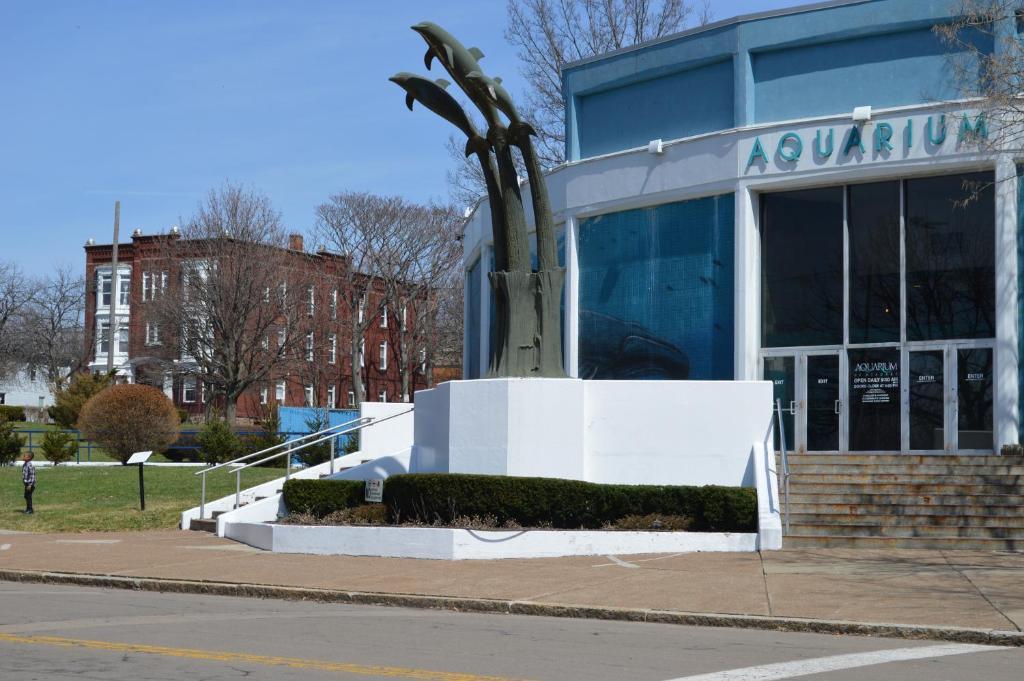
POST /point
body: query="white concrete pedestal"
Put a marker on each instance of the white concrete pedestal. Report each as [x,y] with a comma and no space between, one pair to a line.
[517,426]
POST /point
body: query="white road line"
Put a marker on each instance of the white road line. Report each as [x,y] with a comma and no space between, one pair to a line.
[4,547]
[87,541]
[620,562]
[819,665]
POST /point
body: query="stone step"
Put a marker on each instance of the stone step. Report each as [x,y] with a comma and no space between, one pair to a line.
[906,469]
[934,543]
[203,525]
[873,530]
[921,488]
[904,459]
[907,500]
[991,510]
[908,520]
[876,478]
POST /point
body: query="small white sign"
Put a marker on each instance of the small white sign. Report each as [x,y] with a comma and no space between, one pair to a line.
[375,490]
[139,457]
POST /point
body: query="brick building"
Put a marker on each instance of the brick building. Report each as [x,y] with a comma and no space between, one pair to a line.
[319,375]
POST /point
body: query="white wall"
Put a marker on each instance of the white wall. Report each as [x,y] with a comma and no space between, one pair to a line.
[388,436]
[638,432]
[674,432]
[20,390]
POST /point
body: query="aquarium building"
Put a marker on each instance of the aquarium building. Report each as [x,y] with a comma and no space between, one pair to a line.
[802,196]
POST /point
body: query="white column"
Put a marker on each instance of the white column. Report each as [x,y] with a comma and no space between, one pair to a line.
[572,300]
[748,285]
[1006,381]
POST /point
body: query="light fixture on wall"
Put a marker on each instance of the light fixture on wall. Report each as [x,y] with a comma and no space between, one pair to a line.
[861,114]
[655,147]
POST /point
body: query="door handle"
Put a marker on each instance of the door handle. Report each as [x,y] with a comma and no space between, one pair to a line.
[792,406]
[839,407]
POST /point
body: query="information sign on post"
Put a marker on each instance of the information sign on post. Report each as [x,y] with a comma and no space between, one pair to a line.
[374,490]
[138,459]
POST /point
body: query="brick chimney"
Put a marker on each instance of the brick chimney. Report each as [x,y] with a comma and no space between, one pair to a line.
[295,242]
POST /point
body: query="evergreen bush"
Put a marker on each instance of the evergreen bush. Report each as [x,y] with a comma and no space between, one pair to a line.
[532,502]
[10,442]
[218,442]
[59,447]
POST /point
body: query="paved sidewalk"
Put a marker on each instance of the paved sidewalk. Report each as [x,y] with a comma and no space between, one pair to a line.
[932,588]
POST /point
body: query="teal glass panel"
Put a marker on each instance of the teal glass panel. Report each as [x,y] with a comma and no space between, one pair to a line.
[656,292]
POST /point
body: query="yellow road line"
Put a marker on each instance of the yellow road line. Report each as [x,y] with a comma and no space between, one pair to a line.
[266,660]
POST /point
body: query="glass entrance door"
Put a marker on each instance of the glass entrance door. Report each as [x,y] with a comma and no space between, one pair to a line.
[823,403]
[973,398]
[810,388]
[926,400]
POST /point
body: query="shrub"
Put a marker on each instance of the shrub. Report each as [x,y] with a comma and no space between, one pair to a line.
[59,447]
[10,412]
[10,443]
[269,436]
[323,497]
[124,419]
[316,454]
[532,502]
[218,443]
[183,415]
[68,402]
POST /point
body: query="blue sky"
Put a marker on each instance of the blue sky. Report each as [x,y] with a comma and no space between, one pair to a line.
[155,103]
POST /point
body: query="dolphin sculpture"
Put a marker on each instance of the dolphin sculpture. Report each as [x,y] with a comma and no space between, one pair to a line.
[520,132]
[459,61]
[434,96]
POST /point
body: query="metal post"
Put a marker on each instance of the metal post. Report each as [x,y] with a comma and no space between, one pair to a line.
[202,499]
[288,462]
[785,462]
[112,326]
[142,490]
[238,488]
[332,454]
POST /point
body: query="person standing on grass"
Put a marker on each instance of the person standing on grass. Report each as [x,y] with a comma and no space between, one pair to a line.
[28,477]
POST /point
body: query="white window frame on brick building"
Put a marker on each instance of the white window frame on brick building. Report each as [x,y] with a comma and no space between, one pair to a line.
[332,395]
[264,393]
[152,333]
[382,396]
[332,350]
[309,396]
[383,355]
[384,317]
[351,398]
[280,392]
[310,300]
[189,390]
[309,346]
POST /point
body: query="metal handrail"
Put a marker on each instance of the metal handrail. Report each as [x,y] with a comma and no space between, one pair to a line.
[278,446]
[287,444]
[290,450]
[785,464]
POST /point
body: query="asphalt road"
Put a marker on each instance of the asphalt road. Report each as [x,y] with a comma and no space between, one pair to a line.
[54,632]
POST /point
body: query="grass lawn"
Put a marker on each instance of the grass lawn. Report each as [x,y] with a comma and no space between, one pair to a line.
[84,499]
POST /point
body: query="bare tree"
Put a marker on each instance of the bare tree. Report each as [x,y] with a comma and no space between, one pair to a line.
[15,294]
[366,230]
[428,252]
[51,332]
[986,62]
[549,34]
[230,314]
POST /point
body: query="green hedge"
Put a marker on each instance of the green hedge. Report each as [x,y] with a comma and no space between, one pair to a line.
[322,497]
[10,412]
[532,502]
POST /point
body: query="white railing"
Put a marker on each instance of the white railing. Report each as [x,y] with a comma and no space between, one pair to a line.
[326,435]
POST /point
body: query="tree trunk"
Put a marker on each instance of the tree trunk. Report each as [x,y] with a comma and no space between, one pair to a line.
[357,371]
[230,408]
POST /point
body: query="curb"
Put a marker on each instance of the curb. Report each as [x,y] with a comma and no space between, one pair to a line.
[532,608]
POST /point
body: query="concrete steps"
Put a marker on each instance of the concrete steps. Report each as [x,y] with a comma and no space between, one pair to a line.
[210,524]
[906,501]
